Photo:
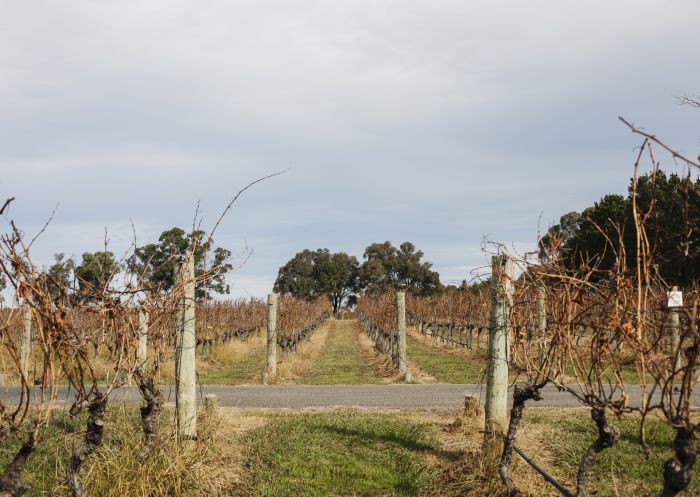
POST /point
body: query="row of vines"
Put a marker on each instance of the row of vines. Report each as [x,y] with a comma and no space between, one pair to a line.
[91,345]
[611,335]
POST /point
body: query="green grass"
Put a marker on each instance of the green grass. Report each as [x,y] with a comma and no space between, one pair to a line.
[447,368]
[621,470]
[244,370]
[45,469]
[339,453]
[341,362]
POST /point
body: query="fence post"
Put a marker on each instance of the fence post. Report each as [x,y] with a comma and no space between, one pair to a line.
[142,351]
[185,387]
[542,317]
[271,366]
[401,332]
[503,273]
[674,324]
[25,344]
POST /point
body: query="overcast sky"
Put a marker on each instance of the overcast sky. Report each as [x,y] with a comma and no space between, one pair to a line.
[437,122]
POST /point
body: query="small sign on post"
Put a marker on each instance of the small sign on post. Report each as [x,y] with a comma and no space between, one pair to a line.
[675,301]
[675,298]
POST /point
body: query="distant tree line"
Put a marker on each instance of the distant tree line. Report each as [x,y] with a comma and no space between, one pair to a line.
[341,277]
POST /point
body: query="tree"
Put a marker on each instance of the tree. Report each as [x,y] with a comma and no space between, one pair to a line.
[310,274]
[3,285]
[670,209]
[387,267]
[95,272]
[60,276]
[155,263]
[558,236]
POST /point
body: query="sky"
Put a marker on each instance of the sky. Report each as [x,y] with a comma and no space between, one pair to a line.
[443,123]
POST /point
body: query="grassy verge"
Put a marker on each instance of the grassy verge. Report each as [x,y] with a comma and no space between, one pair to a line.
[242,453]
[445,367]
[116,470]
[341,362]
[621,470]
[338,453]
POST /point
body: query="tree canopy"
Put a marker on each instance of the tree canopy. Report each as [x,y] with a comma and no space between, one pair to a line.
[155,263]
[310,274]
[387,267]
[96,271]
[338,275]
[60,272]
[670,206]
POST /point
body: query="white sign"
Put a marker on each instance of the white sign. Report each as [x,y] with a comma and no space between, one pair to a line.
[675,299]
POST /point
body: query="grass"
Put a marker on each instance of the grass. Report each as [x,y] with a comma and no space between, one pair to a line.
[342,452]
[115,469]
[235,369]
[341,362]
[338,453]
[621,470]
[446,367]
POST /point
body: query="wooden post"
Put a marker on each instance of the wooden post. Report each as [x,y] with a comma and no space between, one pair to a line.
[210,401]
[674,325]
[497,376]
[271,367]
[25,344]
[542,317]
[142,351]
[185,386]
[401,332]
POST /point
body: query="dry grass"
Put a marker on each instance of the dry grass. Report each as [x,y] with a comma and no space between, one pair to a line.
[380,363]
[210,466]
[221,356]
[294,366]
[219,462]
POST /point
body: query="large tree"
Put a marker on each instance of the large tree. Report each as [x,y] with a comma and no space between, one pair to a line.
[551,244]
[670,208]
[60,274]
[387,267]
[95,273]
[155,263]
[310,274]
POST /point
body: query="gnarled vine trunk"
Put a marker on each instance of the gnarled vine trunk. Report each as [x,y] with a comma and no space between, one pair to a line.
[607,436]
[10,482]
[91,441]
[678,472]
[149,413]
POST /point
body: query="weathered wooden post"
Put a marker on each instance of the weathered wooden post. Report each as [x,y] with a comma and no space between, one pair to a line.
[502,277]
[542,317]
[211,402]
[674,325]
[25,344]
[401,332]
[142,351]
[185,387]
[271,366]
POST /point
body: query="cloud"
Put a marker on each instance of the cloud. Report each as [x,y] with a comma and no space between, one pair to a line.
[435,122]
